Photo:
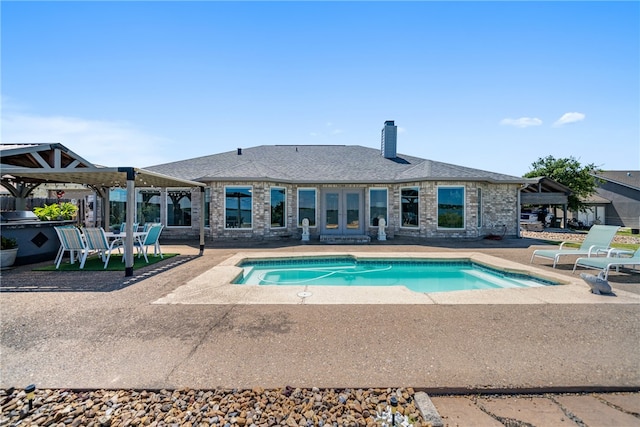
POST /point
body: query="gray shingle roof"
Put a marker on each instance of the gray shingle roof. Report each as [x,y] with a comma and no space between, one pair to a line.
[628,178]
[321,164]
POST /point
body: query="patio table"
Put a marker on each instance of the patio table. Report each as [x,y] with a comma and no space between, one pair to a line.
[137,237]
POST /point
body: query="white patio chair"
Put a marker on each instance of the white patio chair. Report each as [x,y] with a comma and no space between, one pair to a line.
[150,239]
[123,227]
[71,241]
[97,241]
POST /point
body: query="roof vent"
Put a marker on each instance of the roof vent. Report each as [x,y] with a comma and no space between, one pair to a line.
[388,147]
[239,151]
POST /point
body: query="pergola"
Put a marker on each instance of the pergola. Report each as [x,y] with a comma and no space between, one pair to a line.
[25,166]
[545,191]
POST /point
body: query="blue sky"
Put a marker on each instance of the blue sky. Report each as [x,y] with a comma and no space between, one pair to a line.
[488,85]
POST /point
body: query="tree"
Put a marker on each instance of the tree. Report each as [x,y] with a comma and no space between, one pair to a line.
[568,172]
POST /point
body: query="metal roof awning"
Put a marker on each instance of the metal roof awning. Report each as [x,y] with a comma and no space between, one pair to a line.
[544,191]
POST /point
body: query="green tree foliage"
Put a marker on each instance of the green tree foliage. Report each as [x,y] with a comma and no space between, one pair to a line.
[568,172]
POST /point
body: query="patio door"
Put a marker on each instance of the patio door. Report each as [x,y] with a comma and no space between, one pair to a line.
[342,211]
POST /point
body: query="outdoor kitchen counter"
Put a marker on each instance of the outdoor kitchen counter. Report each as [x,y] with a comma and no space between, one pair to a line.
[37,240]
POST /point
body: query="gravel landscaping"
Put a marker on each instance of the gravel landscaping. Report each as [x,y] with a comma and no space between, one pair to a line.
[575,237]
[256,407]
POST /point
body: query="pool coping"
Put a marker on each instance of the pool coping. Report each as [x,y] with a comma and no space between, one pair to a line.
[214,285]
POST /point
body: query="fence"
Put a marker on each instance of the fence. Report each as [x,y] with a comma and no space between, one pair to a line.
[8,203]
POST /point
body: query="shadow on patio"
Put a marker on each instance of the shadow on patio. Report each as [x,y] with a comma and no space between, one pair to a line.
[24,279]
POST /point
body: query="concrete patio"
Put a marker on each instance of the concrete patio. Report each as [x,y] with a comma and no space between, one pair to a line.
[100,330]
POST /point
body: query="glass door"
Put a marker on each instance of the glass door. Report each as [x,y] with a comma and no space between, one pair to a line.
[343,213]
[353,212]
[332,211]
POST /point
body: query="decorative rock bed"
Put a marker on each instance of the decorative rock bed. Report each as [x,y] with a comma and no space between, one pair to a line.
[574,237]
[186,407]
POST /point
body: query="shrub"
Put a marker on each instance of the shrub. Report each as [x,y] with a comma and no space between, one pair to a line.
[61,211]
[8,243]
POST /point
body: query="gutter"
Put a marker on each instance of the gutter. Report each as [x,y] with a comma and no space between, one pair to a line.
[333,181]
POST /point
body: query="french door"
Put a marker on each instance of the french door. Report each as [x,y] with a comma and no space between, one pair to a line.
[343,211]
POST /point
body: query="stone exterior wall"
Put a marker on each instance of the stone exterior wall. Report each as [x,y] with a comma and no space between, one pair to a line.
[499,211]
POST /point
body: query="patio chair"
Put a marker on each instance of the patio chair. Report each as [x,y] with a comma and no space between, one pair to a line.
[150,239]
[147,226]
[607,263]
[97,241]
[61,248]
[71,241]
[123,227]
[597,241]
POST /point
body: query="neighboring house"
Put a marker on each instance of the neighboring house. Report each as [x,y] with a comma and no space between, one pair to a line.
[618,196]
[343,190]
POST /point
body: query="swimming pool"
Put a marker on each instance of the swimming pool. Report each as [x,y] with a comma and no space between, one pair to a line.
[419,275]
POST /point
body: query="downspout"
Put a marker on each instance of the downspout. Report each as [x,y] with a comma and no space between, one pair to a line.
[202,213]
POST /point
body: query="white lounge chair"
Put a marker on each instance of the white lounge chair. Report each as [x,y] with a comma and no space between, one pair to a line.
[607,263]
[598,240]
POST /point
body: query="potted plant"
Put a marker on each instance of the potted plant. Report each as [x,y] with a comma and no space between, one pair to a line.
[8,251]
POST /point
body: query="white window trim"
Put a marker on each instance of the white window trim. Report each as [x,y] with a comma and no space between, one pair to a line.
[278,187]
[315,219]
[386,203]
[417,226]
[166,207]
[158,190]
[464,207]
[224,215]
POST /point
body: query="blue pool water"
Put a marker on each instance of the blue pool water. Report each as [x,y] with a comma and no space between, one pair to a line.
[418,275]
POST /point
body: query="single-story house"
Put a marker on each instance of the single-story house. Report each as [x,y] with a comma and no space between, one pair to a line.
[617,198]
[344,191]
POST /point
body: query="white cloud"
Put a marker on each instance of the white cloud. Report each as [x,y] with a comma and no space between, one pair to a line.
[522,122]
[108,143]
[569,118]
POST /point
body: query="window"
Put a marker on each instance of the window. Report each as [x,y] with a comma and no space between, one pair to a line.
[409,206]
[479,207]
[377,206]
[278,207]
[307,206]
[207,207]
[117,206]
[148,206]
[238,207]
[179,208]
[451,207]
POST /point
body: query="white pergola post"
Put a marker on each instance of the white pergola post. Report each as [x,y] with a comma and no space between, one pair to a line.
[131,212]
